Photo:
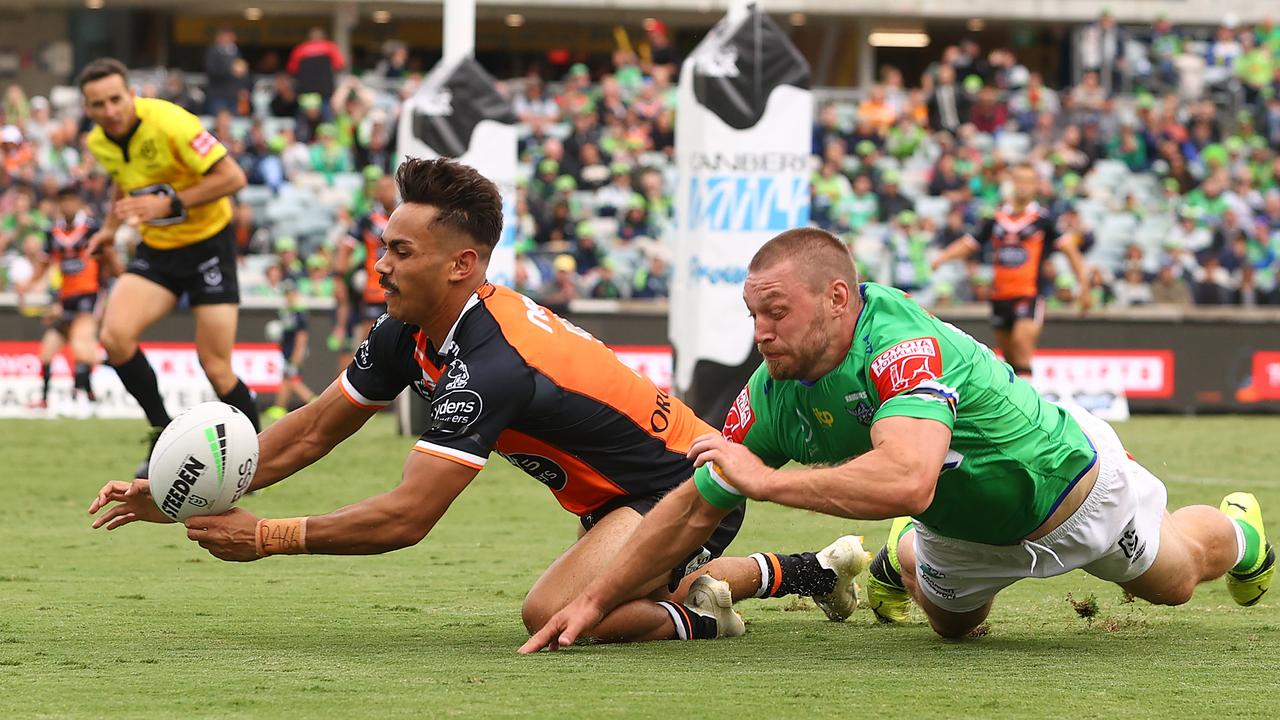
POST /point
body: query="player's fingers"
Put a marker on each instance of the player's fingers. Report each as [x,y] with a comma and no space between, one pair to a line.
[574,626]
[706,456]
[198,534]
[540,639]
[124,519]
[112,513]
[700,445]
[111,491]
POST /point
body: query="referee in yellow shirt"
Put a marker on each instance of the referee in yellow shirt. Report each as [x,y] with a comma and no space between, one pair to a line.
[173,180]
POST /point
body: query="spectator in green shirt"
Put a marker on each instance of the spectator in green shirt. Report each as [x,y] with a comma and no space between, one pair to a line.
[861,207]
[328,156]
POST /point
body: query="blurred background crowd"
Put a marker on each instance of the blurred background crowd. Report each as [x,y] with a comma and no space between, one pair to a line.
[1163,160]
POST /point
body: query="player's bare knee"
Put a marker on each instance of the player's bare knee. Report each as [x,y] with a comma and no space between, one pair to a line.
[1175,594]
[952,632]
[119,347]
[535,613]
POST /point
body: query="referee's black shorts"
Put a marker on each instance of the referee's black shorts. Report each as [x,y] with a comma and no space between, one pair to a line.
[205,272]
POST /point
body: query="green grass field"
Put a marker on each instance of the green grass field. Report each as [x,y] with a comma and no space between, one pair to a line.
[142,622]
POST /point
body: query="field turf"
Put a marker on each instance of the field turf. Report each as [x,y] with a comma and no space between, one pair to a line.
[143,623]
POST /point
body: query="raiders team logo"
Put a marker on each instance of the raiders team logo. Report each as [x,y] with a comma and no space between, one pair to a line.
[862,412]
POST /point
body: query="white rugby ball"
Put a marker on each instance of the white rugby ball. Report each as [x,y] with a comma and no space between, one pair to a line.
[203,461]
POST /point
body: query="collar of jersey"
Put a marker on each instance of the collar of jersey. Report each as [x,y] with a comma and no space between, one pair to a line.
[447,347]
[862,292]
[123,143]
[81,218]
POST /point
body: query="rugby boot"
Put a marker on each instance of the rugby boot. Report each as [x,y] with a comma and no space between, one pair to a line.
[846,558]
[1247,585]
[886,594]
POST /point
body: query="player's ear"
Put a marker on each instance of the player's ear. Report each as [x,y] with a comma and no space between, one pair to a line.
[839,296]
[465,263]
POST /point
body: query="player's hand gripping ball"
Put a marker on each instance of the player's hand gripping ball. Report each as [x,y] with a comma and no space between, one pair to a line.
[203,461]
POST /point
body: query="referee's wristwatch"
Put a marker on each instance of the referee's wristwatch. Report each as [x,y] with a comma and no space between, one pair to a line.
[176,208]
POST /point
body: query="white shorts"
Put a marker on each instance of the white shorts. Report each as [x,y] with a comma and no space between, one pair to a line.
[1113,535]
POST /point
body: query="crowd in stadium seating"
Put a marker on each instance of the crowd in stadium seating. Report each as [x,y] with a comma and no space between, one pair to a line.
[1163,161]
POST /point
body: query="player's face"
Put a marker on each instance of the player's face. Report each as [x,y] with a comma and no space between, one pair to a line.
[418,265]
[791,330]
[69,205]
[109,103]
[1025,182]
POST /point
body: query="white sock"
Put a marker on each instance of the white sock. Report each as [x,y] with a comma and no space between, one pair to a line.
[1239,542]
[766,579]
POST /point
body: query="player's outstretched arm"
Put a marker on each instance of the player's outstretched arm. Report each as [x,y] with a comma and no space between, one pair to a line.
[306,435]
[291,444]
[390,521]
[677,526]
[896,477]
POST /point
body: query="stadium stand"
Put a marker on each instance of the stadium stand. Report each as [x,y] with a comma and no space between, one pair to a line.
[1168,168]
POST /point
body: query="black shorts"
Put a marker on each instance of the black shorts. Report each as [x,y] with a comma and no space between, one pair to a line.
[73,306]
[1004,313]
[205,272]
[372,311]
[715,546]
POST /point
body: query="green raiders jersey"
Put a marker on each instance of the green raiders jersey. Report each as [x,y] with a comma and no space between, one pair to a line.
[1013,455]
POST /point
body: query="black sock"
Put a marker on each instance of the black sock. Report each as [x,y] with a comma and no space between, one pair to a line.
[241,399]
[139,378]
[45,373]
[82,379]
[793,575]
[690,625]
[882,570]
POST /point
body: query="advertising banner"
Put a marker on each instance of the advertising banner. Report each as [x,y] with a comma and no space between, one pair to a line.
[743,126]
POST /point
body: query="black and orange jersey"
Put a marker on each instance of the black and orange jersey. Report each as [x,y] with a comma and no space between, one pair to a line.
[66,245]
[368,231]
[513,377]
[1019,243]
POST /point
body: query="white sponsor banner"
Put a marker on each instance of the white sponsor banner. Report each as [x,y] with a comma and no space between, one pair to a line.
[491,146]
[742,165]
[1136,373]
[181,380]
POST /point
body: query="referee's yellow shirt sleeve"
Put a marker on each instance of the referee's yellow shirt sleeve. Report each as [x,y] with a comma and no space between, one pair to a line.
[197,147]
